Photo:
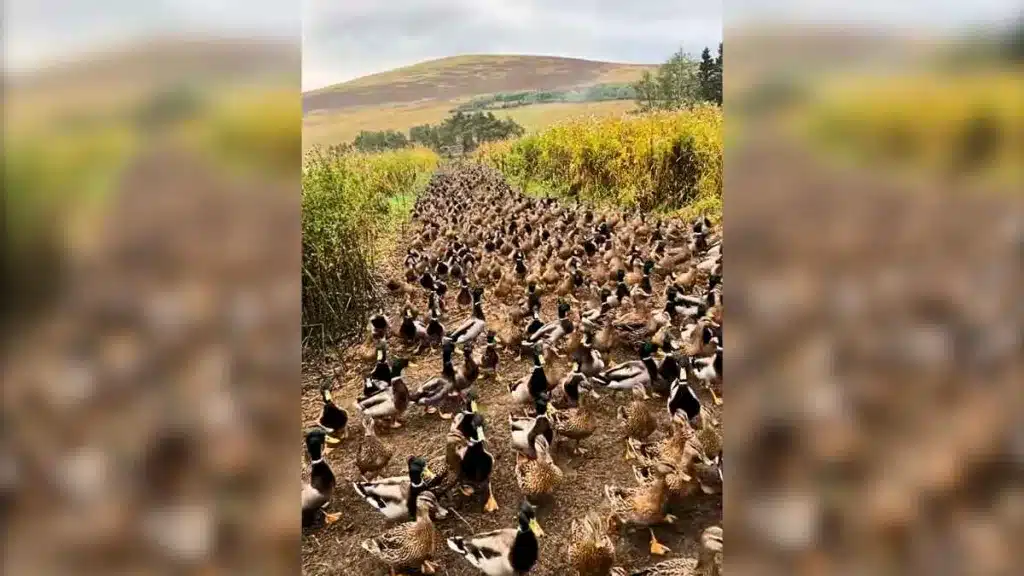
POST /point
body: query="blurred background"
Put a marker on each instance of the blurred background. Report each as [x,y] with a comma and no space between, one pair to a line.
[151,342]
[875,232]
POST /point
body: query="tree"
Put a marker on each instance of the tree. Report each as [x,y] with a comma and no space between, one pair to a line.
[379,141]
[675,85]
[709,76]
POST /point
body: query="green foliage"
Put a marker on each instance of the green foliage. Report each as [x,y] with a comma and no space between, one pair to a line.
[380,141]
[665,161]
[681,83]
[709,76]
[468,130]
[351,202]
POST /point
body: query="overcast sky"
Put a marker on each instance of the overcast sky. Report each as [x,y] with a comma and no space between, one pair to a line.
[344,39]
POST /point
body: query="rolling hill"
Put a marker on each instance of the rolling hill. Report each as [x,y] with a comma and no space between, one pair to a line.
[425,92]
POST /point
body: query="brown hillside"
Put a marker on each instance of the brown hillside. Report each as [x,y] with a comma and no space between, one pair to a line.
[465,76]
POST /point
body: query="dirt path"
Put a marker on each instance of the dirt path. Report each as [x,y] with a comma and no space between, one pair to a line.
[335,549]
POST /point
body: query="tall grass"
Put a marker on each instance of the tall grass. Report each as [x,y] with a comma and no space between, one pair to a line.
[664,161]
[351,202]
[926,123]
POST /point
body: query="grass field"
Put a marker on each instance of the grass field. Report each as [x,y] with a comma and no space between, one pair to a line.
[327,129]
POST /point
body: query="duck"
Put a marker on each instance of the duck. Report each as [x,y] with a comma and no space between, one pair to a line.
[391,403]
[643,505]
[412,330]
[317,493]
[709,371]
[372,455]
[465,296]
[540,475]
[526,429]
[333,418]
[469,371]
[636,419]
[683,401]
[680,447]
[707,563]
[590,362]
[564,395]
[526,391]
[379,378]
[699,339]
[395,497]
[552,332]
[489,360]
[577,423]
[477,464]
[410,544]
[380,327]
[473,326]
[708,474]
[590,551]
[505,552]
[634,373]
[435,329]
[435,390]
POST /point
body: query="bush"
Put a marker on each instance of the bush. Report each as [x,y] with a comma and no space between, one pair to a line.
[351,202]
[666,161]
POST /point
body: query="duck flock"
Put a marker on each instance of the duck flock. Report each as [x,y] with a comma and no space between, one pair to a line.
[481,261]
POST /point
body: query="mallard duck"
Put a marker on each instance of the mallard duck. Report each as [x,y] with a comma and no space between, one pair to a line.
[526,429]
[591,551]
[489,360]
[316,494]
[708,474]
[565,394]
[707,563]
[636,419]
[631,374]
[506,552]
[552,332]
[477,463]
[683,402]
[411,544]
[412,330]
[333,419]
[395,497]
[680,447]
[473,326]
[435,329]
[643,505]
[540,475]
[590,362]
[435,390]
[698,339]
[577,423]
[373,454]
[469,371]
[709,371]
[380,327]
[465,297]
[526,391]
[391,403]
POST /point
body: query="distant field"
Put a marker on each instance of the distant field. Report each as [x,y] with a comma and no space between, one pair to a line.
[459,77]
[327,129]
[424,93]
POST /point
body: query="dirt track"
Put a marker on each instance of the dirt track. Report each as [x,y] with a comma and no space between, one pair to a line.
[335,549]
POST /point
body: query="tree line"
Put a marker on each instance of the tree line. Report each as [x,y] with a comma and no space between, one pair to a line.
[462,129]
[681,82]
